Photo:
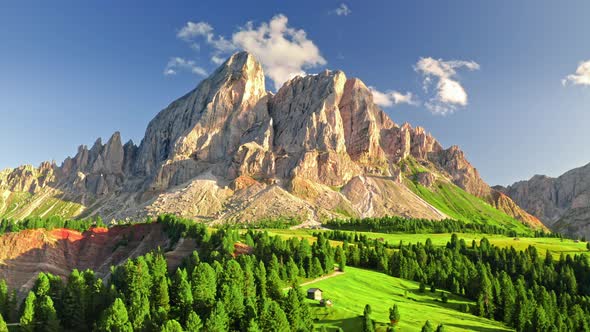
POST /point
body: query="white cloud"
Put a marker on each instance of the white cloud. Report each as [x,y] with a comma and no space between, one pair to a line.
[342,10]
[391,98]
[177,64]
[449,94]
[283,51]
[581,77]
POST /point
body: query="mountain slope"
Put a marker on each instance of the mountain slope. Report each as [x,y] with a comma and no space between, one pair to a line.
[562,203]
[231,151]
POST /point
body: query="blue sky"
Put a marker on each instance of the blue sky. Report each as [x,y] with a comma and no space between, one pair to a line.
[71,72]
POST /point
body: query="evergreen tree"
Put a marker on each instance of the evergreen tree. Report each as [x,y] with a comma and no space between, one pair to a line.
[218,321]
[253,326]
[444,298]
[27,319]
[428,327]
[181,296]
[45,315]
[204,288]
[340,258]
[394,315]
[115,318]
[275,319]
[368,324]
[3,327]
[74,303]
[172,326]
[160,298]
[193,323]
[440,328]
[4,299]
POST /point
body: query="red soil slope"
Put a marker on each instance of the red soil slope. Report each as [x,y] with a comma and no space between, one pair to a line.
[24,254]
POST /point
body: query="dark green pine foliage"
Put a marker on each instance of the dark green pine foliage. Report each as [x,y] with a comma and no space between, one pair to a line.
[368,325]
[204,288]
[428,327]
[181,296]
[394,316]
[115,318]
[440,328]
[193,322]
[45,315]
[172,326]
[3,327]
[74,303]
[27,318]
[274,319]
[159,297]
[218,321]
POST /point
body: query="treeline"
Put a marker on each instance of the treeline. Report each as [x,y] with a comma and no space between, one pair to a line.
[81,225]
[520,288]
[215,289]
[423,226]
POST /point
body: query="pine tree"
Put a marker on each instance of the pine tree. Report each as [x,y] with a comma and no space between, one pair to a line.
[428,327]
[172,326]
[340,258]
[27,319]
[218,321]
[204,288]
[444,297]
[394,315]
[368,324]
[275,319]
[74,302]
[440,328]
[3,327]
[4,299]
[193,323]
[181,296]
[45,315]
[115,318]
[160,298]
[253,326]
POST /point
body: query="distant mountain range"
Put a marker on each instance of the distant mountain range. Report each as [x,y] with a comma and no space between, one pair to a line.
[230,151]
[562,203]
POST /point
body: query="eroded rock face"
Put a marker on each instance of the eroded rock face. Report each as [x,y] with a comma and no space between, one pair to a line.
[561,203]
[231,151]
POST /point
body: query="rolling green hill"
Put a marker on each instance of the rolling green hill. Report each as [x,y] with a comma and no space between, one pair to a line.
[351,291]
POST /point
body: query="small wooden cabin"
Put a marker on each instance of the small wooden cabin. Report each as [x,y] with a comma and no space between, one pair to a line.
[314,294]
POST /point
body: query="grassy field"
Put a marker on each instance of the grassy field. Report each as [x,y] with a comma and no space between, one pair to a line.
[351,291]
[555,245]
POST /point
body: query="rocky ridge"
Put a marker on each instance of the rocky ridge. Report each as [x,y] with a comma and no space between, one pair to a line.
[231,151]
[562,203]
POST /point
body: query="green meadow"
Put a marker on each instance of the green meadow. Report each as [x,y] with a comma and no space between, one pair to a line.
[351,291]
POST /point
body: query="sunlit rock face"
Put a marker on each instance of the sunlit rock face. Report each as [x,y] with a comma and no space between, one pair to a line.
[229,150]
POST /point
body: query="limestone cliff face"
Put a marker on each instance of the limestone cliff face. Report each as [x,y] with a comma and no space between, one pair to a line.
[231,151]
[562,203]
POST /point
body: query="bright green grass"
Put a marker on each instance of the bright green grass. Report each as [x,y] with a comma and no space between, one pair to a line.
[351,291]
[15,206]
[555,245]
[460,205]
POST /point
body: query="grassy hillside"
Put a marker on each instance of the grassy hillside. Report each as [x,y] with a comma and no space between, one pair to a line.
[351,291]
[18,205]
[460,205]
[555,245]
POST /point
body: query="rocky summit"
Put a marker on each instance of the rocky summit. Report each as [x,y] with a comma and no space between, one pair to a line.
[562,203]
[230,151]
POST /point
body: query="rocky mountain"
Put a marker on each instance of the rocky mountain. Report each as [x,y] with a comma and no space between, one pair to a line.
[562,203]
[230,151]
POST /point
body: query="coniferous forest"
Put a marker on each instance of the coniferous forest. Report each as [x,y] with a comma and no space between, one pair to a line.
[217,288]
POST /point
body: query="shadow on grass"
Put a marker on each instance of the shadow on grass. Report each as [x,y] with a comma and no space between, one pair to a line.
[346,324]
[473,328]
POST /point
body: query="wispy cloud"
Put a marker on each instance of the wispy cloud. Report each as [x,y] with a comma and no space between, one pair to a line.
[581,77]
[342,10]
[392,97]
[283,51]
[177,64]
[449,93]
